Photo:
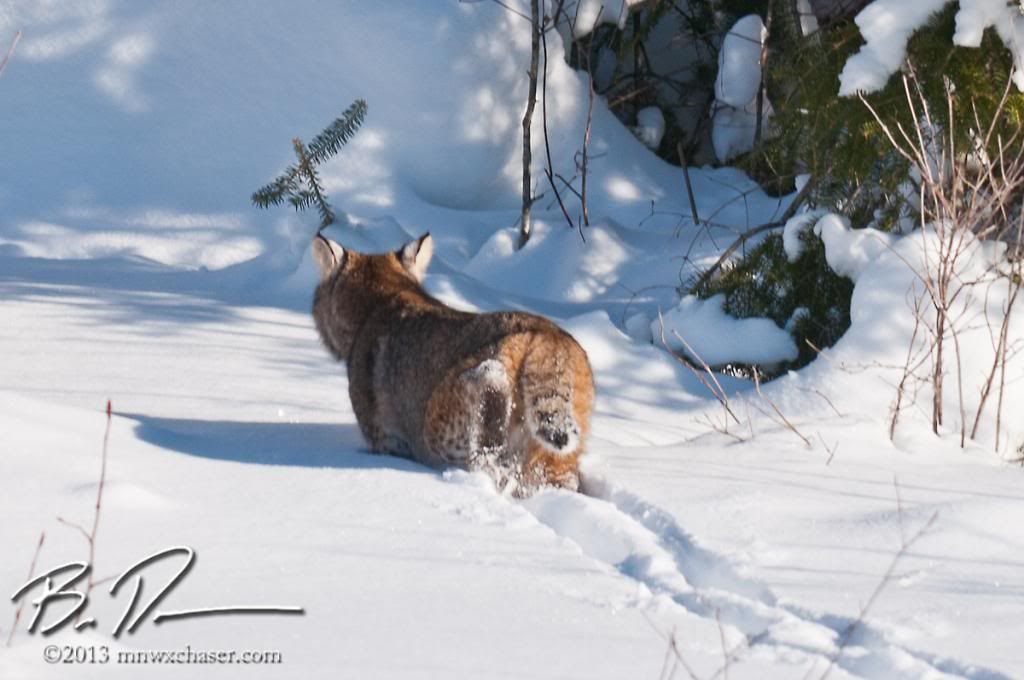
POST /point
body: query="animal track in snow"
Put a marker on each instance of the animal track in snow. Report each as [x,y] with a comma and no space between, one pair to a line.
[647,544]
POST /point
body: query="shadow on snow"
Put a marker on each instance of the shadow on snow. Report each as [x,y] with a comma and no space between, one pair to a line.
[317,445]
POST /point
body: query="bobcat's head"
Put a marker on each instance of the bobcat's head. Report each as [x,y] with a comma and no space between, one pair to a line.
[353,284]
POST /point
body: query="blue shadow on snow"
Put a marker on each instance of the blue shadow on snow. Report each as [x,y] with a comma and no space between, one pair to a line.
[321,445]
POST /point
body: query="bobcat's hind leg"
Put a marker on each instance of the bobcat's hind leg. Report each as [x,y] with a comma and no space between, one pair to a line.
[467,421]
[544,468]
[491,400]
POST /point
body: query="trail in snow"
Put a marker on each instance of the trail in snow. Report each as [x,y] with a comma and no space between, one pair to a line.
[644,543]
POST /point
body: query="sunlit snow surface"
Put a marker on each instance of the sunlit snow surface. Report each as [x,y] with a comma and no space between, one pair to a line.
[132,268]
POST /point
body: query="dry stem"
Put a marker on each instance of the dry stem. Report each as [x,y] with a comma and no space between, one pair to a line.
[90,536]
[31,573]
[965,195]
[10,51]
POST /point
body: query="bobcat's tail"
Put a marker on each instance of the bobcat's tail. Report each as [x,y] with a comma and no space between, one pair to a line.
[547,385]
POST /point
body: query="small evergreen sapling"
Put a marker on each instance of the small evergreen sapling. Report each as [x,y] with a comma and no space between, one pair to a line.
[804,296]
[300,184]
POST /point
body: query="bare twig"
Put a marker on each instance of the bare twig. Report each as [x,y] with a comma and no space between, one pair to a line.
[90,536]
[584,161]
[900,389]
[721,429]
[800,197]
[549,170]
[684,163]
[531,103]
[782,417]
[999,355]
[763,63]
[717,390]
[31,573]
[727,253]
[965,195]
[831,449]
[824,397]
[844,638]
[725,651]
[501,4]
[817,350]
[670,638]
[73,525]
[10,51]
[99,499]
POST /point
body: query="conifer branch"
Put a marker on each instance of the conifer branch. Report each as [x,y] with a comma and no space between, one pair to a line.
[300,184]
[315,194]
[276,192]
[337,134]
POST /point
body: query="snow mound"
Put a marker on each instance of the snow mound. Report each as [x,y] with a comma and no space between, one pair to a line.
[736,86]
[178,240]
[739,62]
[181,197]
[554,265]
[719,339]
[849,251]
[589,13]
[733,130]
[644,408]
[650,126]
[892,313]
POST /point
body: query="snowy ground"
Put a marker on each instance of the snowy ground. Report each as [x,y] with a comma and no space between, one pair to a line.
[132,268]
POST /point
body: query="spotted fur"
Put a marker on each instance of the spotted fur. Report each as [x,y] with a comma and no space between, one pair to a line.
[507,393]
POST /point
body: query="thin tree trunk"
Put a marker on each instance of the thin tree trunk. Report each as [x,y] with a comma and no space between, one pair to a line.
[586,140]
[685,163]
[637,76]
[940,329]
[760,88]
[531,103]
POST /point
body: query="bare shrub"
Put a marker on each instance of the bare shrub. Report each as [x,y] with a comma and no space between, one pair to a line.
[964,195]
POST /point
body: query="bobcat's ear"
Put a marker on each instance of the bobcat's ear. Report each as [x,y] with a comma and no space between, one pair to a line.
[415,255]
[328,255]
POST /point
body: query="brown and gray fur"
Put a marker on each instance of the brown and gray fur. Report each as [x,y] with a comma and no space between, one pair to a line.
[508,393]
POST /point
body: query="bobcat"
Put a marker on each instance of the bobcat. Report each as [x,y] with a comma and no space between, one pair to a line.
[508,393]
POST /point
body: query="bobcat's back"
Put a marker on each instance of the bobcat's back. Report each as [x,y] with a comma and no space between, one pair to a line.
[509,393]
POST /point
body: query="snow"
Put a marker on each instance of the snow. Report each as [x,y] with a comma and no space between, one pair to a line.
[638,327]
[808,21]
[887,25]
[976,16]
[739,62]
[704,332]
[795,226]
[736,86]
[850,251]
[588,14]
[892,274]
[553,261]
[733,130]
[133,268]
[650,126]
